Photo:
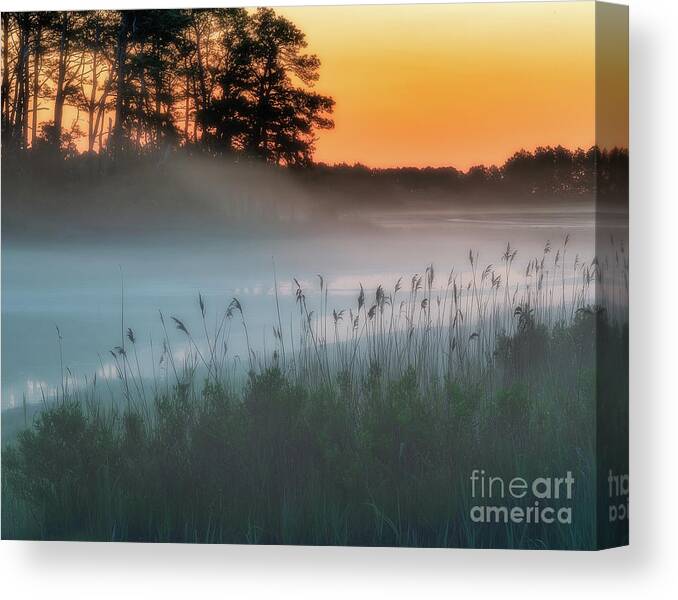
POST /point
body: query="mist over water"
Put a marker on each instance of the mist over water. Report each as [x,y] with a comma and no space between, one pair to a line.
[85,288]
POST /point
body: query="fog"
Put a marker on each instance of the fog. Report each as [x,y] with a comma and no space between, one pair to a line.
[95,287]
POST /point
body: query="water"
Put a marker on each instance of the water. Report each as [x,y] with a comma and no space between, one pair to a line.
[94,290]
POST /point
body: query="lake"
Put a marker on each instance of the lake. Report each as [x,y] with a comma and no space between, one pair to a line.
[86,287]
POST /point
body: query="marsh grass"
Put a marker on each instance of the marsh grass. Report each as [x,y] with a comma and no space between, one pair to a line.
[360,427]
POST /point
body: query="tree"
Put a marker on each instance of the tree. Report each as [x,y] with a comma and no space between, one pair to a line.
[40,47]
[158,38]
[6,24]
[223,112]
[242,80]
[97,76]
[122,39]
[16,29]
[260,108]
[65,65]
[205,55]
[283,116]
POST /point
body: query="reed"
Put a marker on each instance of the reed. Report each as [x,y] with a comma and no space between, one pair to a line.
[359,427]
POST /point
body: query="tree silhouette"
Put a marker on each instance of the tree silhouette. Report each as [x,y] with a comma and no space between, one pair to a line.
[96,78]
[64,65]
[221,81]
[283,115]
[258,108]
[239,80]
[156,35]
[220,75]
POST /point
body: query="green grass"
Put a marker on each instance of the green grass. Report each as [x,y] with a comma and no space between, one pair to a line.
[360,428]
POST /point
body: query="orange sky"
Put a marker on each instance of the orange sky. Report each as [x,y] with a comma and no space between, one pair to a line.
[462,84]
[452,84]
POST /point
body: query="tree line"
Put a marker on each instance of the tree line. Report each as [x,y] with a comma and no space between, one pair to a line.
[221,80]
[547,171]
[236,82]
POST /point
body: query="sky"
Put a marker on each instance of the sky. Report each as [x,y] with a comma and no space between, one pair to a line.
[464,84]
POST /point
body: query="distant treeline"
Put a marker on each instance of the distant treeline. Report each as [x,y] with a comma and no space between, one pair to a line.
[544,172]
[187,182]
[227,80]
[154,90]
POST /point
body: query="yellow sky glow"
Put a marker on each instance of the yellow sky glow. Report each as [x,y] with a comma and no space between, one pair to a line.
[453,84]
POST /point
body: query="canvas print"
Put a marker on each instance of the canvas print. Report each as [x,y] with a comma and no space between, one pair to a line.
[323,275]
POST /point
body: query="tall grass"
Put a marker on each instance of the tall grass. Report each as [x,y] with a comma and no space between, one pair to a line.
[360,427]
